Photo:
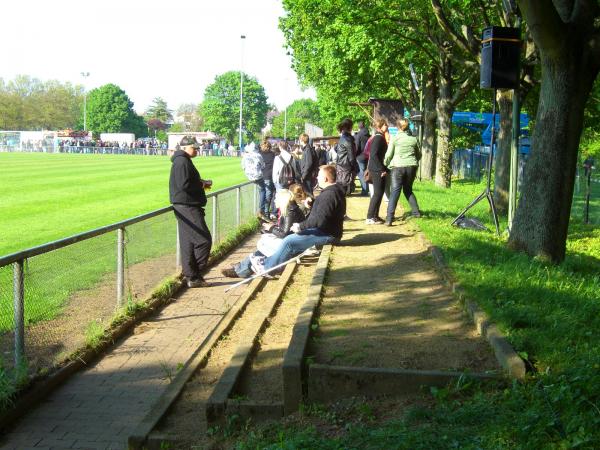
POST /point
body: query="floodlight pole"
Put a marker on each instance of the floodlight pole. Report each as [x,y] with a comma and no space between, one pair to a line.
[84,75]
[285,124]
[242,37]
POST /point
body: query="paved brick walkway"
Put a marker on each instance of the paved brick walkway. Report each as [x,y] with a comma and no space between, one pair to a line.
[99,407]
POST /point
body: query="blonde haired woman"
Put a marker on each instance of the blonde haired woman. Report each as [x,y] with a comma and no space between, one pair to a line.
[292,204]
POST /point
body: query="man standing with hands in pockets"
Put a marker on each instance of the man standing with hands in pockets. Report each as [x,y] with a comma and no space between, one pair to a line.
[186,192]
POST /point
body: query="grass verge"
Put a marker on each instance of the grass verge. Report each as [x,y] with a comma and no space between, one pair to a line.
[551,315]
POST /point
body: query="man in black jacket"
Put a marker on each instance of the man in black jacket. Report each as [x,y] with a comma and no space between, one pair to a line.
[309,165]
[186,191]
[324,224]
[346,156]
[360,138]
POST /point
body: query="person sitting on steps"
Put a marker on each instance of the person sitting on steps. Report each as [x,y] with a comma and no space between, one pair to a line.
[324,225]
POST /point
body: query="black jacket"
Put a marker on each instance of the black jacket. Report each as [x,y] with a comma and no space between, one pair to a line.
[294,215]
[361,139]
[185,185]
[327,213]
[378,149]
[268,158]
[309,164]
[346,151]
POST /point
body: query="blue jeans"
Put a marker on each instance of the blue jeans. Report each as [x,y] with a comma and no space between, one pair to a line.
[269,196]
[262,194]
[362,166]
[294,244]
[402,179]
[244,267]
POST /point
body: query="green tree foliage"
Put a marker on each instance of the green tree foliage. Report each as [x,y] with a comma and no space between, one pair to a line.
[191,116]
[590,140]
[109,110]
[28,103]
[298,113]
[221,106]
[159,110]
[352,50]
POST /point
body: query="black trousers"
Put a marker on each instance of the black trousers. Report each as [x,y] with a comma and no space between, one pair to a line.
[195,240]
[378,189]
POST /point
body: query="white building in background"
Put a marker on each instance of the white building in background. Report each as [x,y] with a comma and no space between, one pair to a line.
[201,136]
[312,130]
[127,138]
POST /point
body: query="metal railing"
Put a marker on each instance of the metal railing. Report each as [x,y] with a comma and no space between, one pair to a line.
[55,291]
[152,151]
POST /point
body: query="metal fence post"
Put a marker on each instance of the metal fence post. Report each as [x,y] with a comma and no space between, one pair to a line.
[19,310]
[238,210]
[214,219]
[120,266]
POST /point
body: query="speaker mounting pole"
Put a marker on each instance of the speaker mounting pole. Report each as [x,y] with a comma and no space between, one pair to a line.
[487,192]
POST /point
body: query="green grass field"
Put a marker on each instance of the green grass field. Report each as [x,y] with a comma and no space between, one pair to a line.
[45,197]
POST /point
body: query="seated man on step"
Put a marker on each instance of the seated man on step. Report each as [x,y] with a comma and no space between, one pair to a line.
[324,224]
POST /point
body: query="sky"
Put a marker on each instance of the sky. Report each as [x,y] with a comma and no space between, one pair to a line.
[170,49]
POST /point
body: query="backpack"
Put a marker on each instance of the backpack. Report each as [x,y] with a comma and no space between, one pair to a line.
[367,150]
[286,174]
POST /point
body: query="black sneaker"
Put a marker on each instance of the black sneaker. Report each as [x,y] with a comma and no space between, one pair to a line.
[229,272]
[378,220]
[197,282]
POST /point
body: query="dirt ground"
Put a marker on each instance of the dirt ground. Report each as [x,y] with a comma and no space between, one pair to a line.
[385,306]
[263,383]
[48,343]
[186,417]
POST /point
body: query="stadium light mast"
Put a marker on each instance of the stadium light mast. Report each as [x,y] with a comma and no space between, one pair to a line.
[84,75]
[242,37]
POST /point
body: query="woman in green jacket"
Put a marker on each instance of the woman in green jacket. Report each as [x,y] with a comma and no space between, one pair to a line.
[402,158]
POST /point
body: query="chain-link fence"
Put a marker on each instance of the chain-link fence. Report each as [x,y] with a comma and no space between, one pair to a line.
[58,296]
[471,164]
[586,196]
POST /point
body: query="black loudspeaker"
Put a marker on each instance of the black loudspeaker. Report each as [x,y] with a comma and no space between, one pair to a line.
[500,52]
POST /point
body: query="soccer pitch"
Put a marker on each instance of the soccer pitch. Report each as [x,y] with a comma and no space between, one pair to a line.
[45,197]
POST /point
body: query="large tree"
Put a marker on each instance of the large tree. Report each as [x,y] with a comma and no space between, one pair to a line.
[567,35]
[221,106]
[159,110]
[298,113]
[110,110]
[30,104]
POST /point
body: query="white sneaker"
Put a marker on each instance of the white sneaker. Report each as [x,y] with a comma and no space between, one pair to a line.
[370,222]
[257,263]
[312,251]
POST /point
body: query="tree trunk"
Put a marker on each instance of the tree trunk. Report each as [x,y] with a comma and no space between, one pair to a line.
[542,217]
[444,109]
[502,162]
[429,122]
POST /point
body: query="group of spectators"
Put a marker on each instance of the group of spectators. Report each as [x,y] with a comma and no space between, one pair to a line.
[302,198]
[277,167]
[301,224]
